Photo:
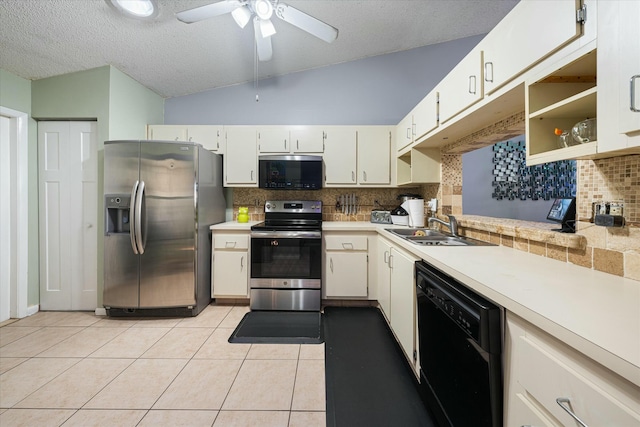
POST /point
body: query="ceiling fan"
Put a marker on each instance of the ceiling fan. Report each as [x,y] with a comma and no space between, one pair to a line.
[261,11]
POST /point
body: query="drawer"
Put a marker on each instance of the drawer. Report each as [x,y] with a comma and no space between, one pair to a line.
[548,371]
[345,243]
[230,241]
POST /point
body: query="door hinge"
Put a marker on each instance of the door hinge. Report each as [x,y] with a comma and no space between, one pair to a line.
[581,14]
[415,355]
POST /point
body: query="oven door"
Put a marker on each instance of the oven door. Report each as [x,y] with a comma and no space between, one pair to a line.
[286,259]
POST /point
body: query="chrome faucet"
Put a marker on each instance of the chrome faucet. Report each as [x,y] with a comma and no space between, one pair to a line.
[452,224]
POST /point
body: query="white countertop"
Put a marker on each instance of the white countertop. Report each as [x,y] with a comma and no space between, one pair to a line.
[234,226]
[596,313]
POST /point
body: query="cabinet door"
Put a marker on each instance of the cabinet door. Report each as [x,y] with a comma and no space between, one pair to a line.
[425,115]
[618,63]
[230,277]
[346,274]
[340,156]
[462,87]
[384,277]
[241,159]
[404,132]
[533,30]
[403,304]
[273,139]
[206,135]
[168,133]
[374,155]
[307,139]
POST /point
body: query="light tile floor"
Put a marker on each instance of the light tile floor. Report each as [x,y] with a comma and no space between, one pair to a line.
[78,369]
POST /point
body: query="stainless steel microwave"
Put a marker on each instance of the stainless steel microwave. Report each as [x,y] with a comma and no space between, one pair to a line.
[290,172]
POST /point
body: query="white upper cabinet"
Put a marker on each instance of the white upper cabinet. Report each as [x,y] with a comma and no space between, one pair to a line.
[273,139]
[167,132]
[425,115]
[307,139]
[209,136]
[340,155]
[374,155]
[618,75]
[404,132]
[533,30]
[422,119]
[462,87]
[241,158]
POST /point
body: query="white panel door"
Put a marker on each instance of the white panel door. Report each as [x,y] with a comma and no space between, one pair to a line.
[67,162]
[374,155]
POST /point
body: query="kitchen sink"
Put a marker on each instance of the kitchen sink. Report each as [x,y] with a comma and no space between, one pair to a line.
[435,238]
[413,232]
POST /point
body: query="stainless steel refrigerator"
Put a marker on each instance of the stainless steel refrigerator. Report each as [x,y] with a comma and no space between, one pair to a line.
[160,199]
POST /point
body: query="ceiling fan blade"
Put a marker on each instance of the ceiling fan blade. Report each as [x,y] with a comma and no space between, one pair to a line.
[263,44]
[306,22]
[209,11]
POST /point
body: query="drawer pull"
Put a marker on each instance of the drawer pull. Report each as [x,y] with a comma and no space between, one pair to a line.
[565,404]
[347,246]
[230,244]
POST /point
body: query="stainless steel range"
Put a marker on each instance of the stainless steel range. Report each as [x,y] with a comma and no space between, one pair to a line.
[286,257]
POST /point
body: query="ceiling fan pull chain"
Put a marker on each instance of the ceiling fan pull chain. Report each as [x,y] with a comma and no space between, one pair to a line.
[255,65]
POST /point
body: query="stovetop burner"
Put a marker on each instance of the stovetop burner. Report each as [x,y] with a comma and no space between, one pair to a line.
[291,215]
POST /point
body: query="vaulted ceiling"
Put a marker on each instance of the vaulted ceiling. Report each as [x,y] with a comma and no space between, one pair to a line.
[43,38]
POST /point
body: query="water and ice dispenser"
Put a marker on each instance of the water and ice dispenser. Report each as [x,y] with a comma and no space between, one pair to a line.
[117,213]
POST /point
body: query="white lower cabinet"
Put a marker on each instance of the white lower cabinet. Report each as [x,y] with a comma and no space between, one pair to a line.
[396,279]
[345,267]
[230,265]
[549,383]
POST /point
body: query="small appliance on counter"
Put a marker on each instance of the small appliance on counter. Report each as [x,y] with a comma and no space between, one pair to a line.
[399,216]
[381,217]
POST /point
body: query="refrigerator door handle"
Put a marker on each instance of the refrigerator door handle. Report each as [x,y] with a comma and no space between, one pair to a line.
[138,218]
[132,218]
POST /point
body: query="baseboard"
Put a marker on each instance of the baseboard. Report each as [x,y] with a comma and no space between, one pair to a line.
[33,309]
[101,311]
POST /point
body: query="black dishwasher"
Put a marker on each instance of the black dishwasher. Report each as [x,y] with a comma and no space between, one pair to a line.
[460,342]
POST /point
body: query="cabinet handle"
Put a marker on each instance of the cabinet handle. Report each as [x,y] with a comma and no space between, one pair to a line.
[364,176]
[297,144]
[632,84]
[386,257]
[472,87]
[285,145]
[230,244]
[390,261]
[353,176]
[408,133]
[252,175]
[413,129]
[331,264]
[347,245]
[241,263]
[565,400]
[488,65]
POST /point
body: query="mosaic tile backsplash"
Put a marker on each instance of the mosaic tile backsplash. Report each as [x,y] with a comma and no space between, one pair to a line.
[514,180]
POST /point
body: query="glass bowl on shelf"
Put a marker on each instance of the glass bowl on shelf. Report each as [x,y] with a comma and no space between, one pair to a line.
[584,131]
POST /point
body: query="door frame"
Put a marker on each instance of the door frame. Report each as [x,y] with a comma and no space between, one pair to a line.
[19,139]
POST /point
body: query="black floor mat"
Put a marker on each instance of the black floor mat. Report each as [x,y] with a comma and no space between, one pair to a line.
[279,327]
[368,380]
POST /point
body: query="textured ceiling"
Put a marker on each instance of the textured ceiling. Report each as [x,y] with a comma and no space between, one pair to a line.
[43,38]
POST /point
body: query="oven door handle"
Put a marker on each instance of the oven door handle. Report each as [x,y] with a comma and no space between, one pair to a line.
[286,234]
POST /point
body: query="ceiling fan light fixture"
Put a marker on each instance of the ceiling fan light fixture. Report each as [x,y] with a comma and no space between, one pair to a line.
[141,9]
[263,9]
[242,16]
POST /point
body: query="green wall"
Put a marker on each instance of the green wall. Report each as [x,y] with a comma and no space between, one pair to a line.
[15,93]
[121,106]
